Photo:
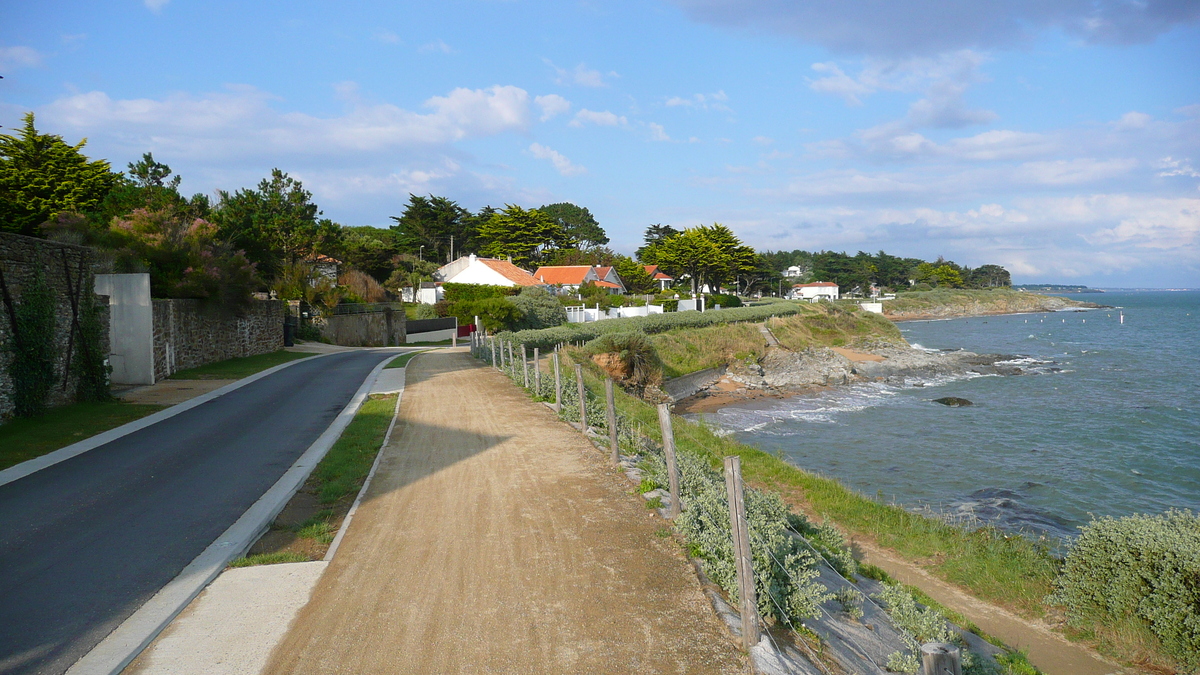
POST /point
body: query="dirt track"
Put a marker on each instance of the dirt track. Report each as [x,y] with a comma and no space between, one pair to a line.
[495,539]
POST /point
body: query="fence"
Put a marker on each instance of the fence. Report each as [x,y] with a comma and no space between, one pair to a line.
[764,557]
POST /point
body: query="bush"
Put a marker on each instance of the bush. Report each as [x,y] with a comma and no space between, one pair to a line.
[495,313]
[640,361]
[426,312]
[539,309]
[724,300]
[1141,567]
[655,323]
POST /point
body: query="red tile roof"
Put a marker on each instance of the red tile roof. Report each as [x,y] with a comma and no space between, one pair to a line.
[510,271]
[571,275]
[606,284]
[652,270]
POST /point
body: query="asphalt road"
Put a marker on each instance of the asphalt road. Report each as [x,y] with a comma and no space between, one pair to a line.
[87,541]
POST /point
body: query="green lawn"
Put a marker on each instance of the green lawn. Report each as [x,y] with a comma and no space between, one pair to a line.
[23,439]
[236,369]
[401,361]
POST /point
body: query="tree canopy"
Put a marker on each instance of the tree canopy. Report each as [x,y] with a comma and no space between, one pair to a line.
[42,176]
[526,235]
[579,223]
[435,223]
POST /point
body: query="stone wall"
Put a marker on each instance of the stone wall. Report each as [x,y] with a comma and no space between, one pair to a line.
[377,329]
[67,269]
[187,335]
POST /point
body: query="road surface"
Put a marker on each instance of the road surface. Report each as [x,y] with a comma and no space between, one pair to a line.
[85,542]
[495,539]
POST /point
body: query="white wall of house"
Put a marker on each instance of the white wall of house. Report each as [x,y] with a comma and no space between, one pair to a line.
[130,327]
[814,293]
[469,270]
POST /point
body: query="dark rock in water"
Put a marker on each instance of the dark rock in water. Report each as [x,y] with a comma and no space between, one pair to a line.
[953,401]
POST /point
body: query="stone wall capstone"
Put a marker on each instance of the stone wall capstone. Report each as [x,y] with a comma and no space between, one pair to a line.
[187,335]
[67,269]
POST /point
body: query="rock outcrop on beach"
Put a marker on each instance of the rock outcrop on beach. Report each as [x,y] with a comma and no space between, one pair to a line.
[947,304]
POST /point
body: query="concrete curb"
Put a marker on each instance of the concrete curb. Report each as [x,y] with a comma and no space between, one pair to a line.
[121,646]
[36,464]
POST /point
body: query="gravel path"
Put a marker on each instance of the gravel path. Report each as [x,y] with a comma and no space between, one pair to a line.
[495,539]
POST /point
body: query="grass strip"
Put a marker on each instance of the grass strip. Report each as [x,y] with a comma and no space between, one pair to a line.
[1008,570]
[337,479]
[236,369]
[402,360]
[345,467]
[22,439]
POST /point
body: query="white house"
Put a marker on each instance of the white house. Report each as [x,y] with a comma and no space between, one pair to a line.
[488,271]
[820,290]
[793,272]
[663,280]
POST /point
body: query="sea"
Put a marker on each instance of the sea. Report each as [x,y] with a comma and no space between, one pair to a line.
[1105,422]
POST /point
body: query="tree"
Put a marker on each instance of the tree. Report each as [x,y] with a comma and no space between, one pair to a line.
[634,274]
[654,235]
[988,276]
[526,235]
[275,224]
[370,249]
[688,253]
[148,173]
[736,258]
[434,223]
[577,222]
[41,176]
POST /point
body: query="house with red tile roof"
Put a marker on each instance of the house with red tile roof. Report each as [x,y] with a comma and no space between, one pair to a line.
[488,271]
[570,277]
[819,290]
[664,282]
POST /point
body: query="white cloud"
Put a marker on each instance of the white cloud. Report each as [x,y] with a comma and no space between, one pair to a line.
[386,37]
[715,101]
[1000,144]
[762,140]
[602,119]
[657,132]
[241,122]
[580,75]
[13,58]
[561,163]
[1177,167]
[1189,110]
[552,105]
[839,83]
[1131,121]
[155,5]
[436,46]
[1072,172]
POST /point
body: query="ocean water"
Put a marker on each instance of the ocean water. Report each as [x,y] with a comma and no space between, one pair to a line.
[1107,422]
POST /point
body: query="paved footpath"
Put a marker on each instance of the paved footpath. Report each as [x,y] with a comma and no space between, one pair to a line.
[494,539]
[85,542]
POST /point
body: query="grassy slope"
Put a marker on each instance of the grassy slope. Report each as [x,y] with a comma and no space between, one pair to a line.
[687,350]
[23,439]
[236,369]
[962,302]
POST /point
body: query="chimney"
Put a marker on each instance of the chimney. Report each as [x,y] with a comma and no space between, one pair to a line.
[510,259]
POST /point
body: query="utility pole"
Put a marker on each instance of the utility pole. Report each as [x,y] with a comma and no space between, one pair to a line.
[451,250]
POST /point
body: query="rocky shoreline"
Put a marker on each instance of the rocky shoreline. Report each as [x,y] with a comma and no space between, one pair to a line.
[782,373]
[1022,303]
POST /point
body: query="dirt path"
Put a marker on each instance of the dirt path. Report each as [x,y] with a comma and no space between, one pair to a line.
[1047,650]
[495,539]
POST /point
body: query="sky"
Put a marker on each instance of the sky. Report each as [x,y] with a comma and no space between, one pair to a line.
[1059,138]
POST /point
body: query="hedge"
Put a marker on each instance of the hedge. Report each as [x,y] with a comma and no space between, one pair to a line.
[655,323]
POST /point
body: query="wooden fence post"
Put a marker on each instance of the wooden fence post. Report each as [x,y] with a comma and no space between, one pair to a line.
[492,342]
[741,551]
[611,406]
[668,436]
[537,371]
[939,658]
[525,364]
[583,425]
[510,354]
[557,385]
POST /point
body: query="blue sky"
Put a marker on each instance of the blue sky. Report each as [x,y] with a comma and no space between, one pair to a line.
[1060,138]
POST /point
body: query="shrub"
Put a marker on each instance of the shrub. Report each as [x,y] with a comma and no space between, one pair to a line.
[426,312]
[363,285]
[641,363]
[495,313]
[457,292]
[1142,567]
[725,300]
[539,309]
[31,348]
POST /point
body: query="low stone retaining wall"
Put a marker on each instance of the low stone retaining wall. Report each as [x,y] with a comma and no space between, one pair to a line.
[377,329]
[187,335]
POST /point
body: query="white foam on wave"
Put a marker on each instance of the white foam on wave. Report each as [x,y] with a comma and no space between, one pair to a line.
[914,345]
